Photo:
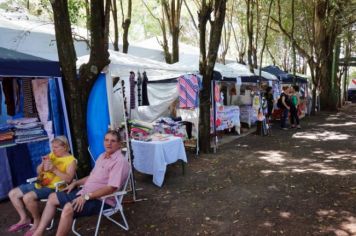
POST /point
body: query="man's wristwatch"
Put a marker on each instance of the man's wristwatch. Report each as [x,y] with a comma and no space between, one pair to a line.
[87,197]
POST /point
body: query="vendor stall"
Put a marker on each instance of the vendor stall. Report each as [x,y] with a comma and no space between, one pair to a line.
[32,113]
[287,79]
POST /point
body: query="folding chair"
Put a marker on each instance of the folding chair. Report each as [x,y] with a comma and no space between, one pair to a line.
[57,185]
[108,213]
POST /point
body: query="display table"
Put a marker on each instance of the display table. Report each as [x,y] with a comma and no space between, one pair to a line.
[154,156]
[227,117]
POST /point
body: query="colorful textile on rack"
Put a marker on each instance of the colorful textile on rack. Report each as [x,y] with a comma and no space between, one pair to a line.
[22,121]
[145,101]
[9,135]
[217,93]
[29,125]
[139,88]
[29,106]
[188,90]
[132,90]
[166,125]
[31,138]
[139,123]
[8,89]
[5,127]
[5,175]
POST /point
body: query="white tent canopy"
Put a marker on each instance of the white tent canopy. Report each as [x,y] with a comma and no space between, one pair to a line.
[241,70]
[30,35]
[160,95]
[121,65]
[266,75]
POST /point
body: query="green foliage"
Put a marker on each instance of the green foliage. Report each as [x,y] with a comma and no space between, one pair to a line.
[76,10]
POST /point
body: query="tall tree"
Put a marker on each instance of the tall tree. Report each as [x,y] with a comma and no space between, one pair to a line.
[265,35]
[212,11]
[170,24]
[249,21]
[116,25]
[77,90]
[126,21]
[328,19]
[226,33]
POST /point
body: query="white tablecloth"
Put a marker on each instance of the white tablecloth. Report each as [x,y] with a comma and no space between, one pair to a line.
[153,157]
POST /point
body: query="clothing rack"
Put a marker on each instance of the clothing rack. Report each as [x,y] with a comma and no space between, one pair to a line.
[128,144]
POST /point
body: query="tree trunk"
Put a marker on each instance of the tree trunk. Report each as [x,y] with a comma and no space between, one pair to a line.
[249,21]
[265,37]
[325,36]
[257,33]
[126,26]
[116,26]
[76,106]
[207,63]
[172,13]
[175,45]
[77,90]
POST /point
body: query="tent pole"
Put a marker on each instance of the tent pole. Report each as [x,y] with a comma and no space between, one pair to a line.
[214,112]
[126,115]
[64,107]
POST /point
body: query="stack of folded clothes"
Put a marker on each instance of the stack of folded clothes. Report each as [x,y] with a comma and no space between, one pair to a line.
[166,125]
[140,130]
[6,135]
[28,130]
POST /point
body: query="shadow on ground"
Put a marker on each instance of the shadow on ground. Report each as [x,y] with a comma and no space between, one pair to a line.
[295,182]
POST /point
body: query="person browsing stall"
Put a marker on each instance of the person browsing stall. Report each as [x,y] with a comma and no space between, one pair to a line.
[295,100]
[285,106]
[59,165]
[109,174]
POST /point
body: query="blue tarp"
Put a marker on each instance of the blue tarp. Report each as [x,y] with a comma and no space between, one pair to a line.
[281,75]
[17,64]
[284,77]
[98,119]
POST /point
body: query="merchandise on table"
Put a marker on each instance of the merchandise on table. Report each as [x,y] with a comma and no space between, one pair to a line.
[227,117]
[248,115]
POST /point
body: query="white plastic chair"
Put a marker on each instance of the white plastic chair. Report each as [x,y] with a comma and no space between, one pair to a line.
[109,212]
[57,185]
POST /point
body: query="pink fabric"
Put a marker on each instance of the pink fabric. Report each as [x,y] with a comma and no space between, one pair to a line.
[188,88]
[112,171]
[40,92]
[217,93]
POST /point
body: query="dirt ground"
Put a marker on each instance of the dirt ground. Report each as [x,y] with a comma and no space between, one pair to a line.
[295,182]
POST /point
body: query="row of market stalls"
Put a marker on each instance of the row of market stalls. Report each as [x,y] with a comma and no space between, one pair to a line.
[235,99]
[159,97]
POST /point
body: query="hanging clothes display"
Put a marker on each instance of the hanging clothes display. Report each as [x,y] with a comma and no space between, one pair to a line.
[217,93]
[139,88]
[132,90]
[8,90]
[29,106]
[56,112]
[188,90]
[40,92]
[5,174]
[145,101]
